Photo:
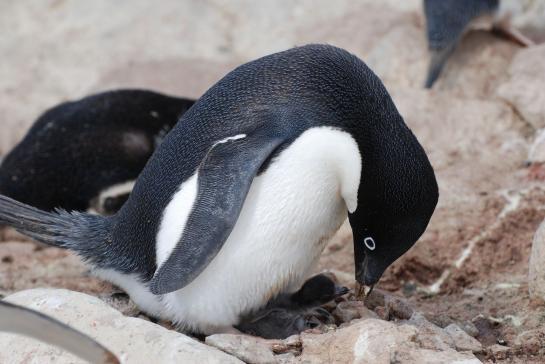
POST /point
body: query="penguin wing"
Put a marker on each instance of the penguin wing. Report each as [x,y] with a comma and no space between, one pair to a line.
[223,180]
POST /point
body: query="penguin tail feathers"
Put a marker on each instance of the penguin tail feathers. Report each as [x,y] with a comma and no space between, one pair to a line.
[71,230]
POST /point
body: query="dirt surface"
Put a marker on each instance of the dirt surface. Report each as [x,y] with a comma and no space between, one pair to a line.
[471,265]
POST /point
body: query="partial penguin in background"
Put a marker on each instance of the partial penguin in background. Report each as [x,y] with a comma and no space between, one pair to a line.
[448,20]
[86,154]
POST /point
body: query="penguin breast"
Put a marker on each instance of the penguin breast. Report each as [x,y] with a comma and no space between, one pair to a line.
[290,212]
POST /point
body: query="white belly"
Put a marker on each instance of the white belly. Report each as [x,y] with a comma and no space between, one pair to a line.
[289,214]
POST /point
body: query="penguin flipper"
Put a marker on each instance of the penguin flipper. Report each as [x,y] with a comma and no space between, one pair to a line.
[223,181]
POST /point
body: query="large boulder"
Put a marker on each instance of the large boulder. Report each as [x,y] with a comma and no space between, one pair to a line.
[133,340]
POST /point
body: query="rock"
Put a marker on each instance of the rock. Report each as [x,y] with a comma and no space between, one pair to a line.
[132,340]
[469,328]
[531,342]
[527,16]
[425,356]
[463,341]
[286,358]
[536,277]
[374,341]
[350,310]
[388,306]
[499,352]
[536,154]
[430,336]
[290,345]
[475,69]
[247,348]
[524,88]
[400,58]
[493,124]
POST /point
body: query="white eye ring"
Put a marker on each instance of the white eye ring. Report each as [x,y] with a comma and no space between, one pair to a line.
[369,243]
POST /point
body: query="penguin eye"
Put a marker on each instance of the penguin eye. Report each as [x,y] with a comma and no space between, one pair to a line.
[369,243]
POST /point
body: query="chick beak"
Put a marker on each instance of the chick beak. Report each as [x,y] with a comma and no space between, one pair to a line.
[363,291]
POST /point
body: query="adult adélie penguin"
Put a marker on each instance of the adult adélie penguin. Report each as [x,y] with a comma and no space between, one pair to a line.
[238,202]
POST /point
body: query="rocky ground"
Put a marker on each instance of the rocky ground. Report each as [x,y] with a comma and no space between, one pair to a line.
[462,293]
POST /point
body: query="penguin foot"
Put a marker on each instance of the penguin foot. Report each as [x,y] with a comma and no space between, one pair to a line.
[504,29]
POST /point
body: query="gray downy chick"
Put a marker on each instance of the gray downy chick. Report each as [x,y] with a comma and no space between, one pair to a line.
[290,314]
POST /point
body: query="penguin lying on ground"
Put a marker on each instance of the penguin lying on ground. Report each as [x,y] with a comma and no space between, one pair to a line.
[240,199]
[448,20]
[87,153]
[289,314]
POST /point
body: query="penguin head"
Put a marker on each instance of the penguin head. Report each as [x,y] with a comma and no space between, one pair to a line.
[317,291]
[381,241]
[397,195]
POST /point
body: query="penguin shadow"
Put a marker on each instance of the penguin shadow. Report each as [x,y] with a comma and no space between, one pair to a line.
[293,313]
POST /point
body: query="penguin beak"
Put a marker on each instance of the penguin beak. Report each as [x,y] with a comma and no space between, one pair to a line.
[364,286]
[362,291]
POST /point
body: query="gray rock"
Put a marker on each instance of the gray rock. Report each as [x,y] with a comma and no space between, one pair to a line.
[375,341]
[536,277]
[469,328]
[350,310]
[429,335]
[286,358]
[524,89]
[132,340]
[463,341]
[426,356]
[247,348]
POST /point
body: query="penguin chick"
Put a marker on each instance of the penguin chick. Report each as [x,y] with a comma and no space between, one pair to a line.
[315,292]
[290,314]
[87,153]
[239,201]
[446,22]
[278,323]
[23,321]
